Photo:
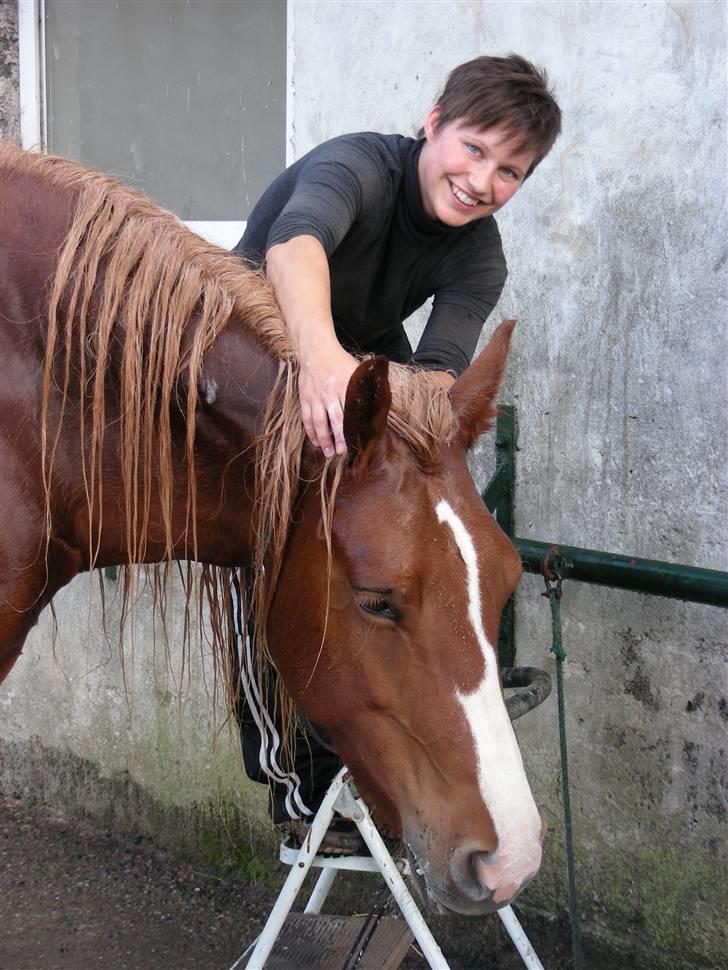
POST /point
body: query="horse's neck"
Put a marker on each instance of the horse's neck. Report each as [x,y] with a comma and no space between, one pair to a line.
[234,386]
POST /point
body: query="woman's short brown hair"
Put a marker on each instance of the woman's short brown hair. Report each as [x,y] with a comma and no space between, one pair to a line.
[503,91]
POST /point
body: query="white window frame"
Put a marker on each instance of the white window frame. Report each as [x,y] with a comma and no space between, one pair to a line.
[33,134]
[31,74]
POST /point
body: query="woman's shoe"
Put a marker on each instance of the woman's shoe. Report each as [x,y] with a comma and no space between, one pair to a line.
[342,837]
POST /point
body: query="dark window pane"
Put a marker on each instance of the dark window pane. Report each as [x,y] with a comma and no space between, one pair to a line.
[182,98]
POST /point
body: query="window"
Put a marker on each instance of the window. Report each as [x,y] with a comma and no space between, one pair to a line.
[184,99]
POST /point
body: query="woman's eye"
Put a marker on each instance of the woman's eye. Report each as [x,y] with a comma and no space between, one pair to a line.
[473,149]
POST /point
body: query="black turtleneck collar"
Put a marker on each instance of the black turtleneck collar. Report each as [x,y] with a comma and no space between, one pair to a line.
[413,212]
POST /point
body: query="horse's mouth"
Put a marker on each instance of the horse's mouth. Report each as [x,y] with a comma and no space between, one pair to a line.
[419,879]
[441,900]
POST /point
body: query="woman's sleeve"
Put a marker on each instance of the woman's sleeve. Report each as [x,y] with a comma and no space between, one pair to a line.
[462,303]
[330,194]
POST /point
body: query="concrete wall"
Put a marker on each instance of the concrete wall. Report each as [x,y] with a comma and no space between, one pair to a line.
[617,254]
[618,263]
[140,743]
[9,106]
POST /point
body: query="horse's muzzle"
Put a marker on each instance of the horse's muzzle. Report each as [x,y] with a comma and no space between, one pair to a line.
[473,882]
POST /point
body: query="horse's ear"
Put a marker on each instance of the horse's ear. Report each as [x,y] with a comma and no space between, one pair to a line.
[368,399]
[473,393]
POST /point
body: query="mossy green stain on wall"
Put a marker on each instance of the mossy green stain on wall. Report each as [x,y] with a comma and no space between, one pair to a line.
[225,828]
[683,901]
[660,908]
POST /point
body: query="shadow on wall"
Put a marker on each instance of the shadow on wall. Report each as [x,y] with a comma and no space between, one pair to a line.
[233,836]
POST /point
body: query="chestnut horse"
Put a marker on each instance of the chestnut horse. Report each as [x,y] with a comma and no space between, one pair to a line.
[149,412]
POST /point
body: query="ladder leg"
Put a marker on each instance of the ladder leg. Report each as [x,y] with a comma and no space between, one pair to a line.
[520,940]
[299,870]
[358,811]
[320,891]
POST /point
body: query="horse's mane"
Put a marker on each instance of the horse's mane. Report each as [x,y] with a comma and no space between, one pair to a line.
[130,274]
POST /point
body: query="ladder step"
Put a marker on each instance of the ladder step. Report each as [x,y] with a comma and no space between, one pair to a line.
[309,942]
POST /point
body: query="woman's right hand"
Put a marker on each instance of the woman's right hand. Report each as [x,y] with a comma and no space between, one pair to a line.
[323,378]
[299,272]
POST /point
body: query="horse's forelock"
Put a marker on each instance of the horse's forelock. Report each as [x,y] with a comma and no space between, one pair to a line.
[421,413]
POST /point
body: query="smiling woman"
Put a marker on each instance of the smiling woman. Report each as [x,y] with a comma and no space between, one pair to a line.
[468,173]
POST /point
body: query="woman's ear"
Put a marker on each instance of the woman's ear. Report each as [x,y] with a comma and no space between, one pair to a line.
[432,122]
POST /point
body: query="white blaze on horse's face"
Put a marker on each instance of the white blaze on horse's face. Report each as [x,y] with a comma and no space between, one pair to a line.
[501,777]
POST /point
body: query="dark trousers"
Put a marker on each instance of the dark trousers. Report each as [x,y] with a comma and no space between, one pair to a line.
[297,783]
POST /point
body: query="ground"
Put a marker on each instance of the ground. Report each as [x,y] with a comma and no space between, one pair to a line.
[77,897]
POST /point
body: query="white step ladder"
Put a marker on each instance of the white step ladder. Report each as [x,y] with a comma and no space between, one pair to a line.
[342,799]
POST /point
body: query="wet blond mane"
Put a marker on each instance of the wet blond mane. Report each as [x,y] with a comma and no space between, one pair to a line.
[130,275]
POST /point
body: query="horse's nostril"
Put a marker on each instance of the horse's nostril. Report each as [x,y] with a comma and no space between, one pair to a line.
[468,866]
[501,877]
[478,862]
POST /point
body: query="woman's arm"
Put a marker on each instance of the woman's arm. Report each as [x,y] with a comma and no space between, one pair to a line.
[299,273]
[445,377]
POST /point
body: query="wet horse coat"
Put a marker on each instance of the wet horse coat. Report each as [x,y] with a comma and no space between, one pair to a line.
[148,411]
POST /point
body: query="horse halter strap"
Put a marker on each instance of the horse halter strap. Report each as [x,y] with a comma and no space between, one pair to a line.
[317,733]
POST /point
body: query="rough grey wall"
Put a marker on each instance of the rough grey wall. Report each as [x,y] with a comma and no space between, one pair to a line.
[9,105]
[140,743]
[617,254]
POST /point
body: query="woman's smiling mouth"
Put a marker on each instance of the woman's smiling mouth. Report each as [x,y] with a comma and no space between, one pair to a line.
[463,197]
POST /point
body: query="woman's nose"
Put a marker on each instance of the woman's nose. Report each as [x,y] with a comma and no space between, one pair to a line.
[481,181]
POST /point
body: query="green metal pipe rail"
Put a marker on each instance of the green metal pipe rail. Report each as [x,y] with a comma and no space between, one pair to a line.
[673,580]
[625,572]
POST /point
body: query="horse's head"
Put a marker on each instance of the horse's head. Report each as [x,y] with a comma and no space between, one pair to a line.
[393,645]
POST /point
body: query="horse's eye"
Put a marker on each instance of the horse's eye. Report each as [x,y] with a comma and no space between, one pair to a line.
[378,606]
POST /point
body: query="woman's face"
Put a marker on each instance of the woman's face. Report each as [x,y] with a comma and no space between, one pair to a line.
[468,173]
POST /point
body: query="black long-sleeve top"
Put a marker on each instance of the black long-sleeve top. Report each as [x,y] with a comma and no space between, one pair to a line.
[359,195]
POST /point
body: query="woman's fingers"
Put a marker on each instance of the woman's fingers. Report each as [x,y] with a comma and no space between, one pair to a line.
[336,421]
[322,429]
[307,418]
[325,427]
[322,389]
